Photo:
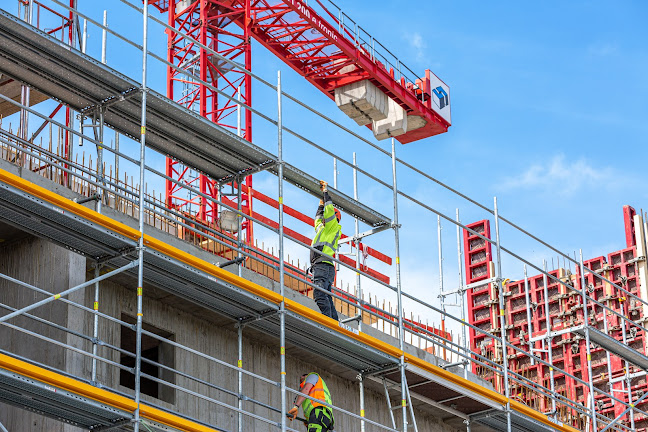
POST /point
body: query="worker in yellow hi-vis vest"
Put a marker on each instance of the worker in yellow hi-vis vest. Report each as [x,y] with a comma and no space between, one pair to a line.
[327,234]
[318,416]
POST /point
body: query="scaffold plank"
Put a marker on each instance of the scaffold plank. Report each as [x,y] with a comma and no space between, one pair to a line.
[73,401]
[57,403]
[614,346]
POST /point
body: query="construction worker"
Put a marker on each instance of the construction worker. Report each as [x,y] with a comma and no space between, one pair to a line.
[318,416]
[327,234]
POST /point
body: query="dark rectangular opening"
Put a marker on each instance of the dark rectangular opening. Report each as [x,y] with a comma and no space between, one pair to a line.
[153,350]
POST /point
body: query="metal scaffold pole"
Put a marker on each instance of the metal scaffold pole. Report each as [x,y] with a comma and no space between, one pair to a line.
[100,193]
[462,297]
[239,192]
[443,305]
[362,401]
[357,242]
[359,288]
[528,312]
[239,243]
[548,337]
[500,289]
[282,310]
[239,363]
[587,343]
[401,335]
[140,246]
[627,381]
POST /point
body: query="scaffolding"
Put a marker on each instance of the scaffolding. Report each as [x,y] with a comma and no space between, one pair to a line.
[142,247]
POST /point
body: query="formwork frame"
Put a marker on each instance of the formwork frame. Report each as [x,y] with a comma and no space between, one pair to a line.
[142,203]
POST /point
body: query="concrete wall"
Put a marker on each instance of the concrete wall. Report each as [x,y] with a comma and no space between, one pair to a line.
[53,268]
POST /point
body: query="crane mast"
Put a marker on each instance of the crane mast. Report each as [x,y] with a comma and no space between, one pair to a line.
[318,41]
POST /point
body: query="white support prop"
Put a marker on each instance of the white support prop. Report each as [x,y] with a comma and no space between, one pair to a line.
[362,101]
[642,265]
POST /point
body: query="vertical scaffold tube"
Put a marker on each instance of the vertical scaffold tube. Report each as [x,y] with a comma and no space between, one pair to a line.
[104,36]
[95,325]
[401,335]
[500,290]
[239,227]
[548,336]
[335,173]
[30,19]
[100,193]
[528,312]
[357,242]
[359,288]
[587,344]
[462,298]
[441,293]
[140,248]
[238,190]
[628,382]
[362,401]
[282,311]
[240,375]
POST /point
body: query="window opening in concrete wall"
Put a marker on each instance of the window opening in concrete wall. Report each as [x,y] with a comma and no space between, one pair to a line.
[154,350]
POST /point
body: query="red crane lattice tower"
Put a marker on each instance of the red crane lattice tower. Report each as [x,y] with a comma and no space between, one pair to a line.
[212,24]
[318,41]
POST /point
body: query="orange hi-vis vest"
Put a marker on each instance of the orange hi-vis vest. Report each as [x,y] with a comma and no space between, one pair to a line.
[319,391]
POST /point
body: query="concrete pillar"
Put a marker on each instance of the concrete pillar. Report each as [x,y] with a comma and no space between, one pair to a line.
[54,269]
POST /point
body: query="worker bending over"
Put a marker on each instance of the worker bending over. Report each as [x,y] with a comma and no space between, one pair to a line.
[327,234]
[319,417]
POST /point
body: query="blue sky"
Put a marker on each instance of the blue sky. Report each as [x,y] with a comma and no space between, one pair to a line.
[549,115]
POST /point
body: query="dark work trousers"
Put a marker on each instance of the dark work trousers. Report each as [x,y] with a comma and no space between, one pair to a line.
[320,420]
[323,277]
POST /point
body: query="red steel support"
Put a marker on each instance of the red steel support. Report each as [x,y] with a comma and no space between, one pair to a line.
[628,222]
[210,23]
[480,300]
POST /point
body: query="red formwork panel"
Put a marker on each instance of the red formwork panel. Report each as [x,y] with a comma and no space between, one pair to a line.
[527,319]
[518,309]
[628,222]
[482,304]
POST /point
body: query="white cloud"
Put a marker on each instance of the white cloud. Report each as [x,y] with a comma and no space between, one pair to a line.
[418,44]
[603,49]
[564,177]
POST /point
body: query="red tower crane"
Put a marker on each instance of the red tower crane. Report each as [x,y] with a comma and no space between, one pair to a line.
[318,41]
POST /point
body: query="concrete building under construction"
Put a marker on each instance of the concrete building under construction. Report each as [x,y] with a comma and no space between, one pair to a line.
[125,310]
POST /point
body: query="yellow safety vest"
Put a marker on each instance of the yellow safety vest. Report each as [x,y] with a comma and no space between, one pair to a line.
[327,233]
[319,391]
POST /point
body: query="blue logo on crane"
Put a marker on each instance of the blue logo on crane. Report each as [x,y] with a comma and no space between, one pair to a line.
[441,94]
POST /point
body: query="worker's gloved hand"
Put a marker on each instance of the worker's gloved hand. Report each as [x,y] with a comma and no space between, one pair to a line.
[293,412]
[323,186]
[321,202]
